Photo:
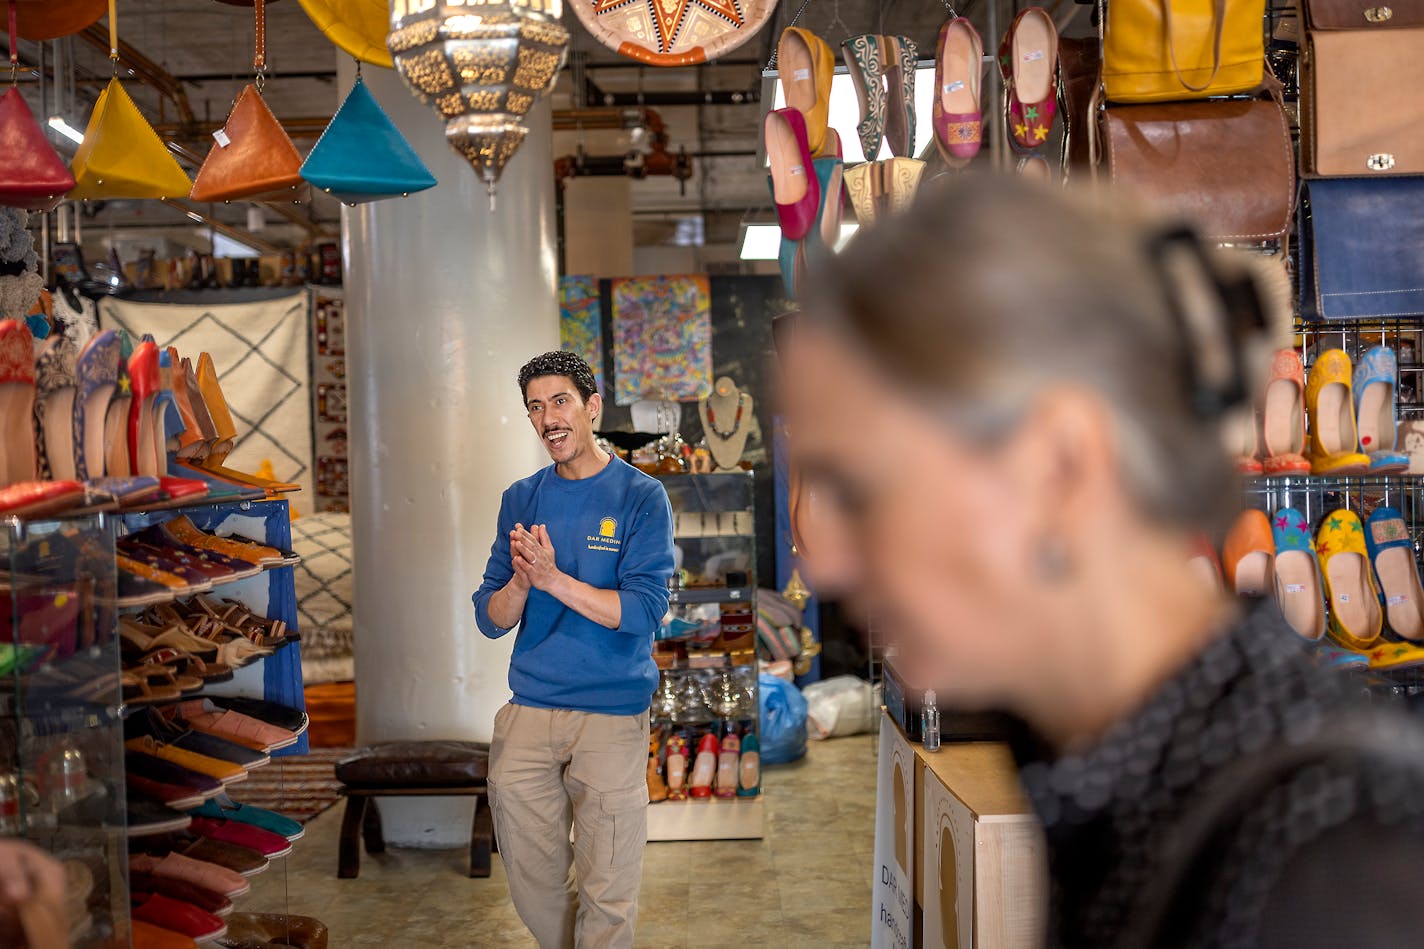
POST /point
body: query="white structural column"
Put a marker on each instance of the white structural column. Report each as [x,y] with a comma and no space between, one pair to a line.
[445,300]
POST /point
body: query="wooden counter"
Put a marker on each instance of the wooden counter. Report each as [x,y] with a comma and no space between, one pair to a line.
[980,873]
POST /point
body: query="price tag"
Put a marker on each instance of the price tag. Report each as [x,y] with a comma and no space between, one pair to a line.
[220,136]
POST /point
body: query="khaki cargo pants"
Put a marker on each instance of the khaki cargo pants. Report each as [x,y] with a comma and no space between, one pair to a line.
[554,769]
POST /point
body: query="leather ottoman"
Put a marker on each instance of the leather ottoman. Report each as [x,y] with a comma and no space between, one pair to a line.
[412,769]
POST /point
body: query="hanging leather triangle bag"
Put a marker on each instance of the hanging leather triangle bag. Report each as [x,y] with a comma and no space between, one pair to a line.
[32,176]
[121,155]
[362,156]
[253,159]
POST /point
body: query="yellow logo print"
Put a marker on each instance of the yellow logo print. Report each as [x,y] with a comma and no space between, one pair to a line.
[607,527]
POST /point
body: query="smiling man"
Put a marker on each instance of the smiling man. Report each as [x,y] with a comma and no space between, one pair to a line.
[580,564]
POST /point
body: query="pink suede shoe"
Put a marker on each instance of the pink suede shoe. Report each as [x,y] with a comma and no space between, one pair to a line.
[794,188]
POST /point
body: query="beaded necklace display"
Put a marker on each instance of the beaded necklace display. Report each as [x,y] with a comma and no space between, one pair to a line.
[736,423]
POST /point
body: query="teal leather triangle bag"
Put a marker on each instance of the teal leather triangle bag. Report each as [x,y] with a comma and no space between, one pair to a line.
[362,156]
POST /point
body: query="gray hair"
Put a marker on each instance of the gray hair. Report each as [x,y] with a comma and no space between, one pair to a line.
[989,291]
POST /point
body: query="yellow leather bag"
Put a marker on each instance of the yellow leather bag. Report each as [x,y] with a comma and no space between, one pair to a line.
[122,156]
[358,27]
[1172,50]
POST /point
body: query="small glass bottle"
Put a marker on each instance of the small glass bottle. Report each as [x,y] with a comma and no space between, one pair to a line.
[929,723]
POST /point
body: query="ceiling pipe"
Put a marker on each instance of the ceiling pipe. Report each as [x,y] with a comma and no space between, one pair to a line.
[596,96]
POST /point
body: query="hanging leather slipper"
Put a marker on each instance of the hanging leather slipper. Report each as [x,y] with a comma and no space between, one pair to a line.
[1283,418]
[863,59]
[1375,411]
[1392,553]
[807,65]
[900,179]
[33,176]
[1206,565]
[226,431]
[97,372]
[1299,586]
[859,184]
[957,114]
[1028,61]
[116,425]
[1355,615]
[17,403]
[794,189]
[1248,554]
[55,385]
[1333,437]
[899,56]
[143,377]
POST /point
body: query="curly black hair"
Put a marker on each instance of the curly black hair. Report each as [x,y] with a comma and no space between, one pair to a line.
[558,364]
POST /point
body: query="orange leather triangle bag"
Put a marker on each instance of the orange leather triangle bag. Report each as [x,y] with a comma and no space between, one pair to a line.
[253,159]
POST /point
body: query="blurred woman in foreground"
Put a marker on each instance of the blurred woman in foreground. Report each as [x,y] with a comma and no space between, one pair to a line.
[1009,407]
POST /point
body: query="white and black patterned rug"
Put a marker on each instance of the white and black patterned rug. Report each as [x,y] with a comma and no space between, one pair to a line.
[261,351]
[324,595]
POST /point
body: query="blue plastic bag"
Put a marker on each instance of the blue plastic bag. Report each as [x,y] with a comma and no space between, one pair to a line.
[783,721]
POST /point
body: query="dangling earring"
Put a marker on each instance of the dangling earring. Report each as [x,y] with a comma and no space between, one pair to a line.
[1051,561]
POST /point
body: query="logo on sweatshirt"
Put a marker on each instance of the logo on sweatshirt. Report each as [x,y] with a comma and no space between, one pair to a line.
[607,537]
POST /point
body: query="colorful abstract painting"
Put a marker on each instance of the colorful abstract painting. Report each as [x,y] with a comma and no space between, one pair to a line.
[581,322]
[662,338]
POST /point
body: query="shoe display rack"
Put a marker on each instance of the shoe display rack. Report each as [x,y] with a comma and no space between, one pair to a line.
[1395,661]
[71,694]
[705,745]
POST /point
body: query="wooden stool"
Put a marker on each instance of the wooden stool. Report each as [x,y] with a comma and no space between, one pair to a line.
[412,769]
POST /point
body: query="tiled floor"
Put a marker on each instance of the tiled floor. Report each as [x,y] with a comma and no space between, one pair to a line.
[807,883]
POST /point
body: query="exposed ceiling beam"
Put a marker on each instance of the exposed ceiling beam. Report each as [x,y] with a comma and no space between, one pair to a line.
[236,233]
[299,127]
[143,69]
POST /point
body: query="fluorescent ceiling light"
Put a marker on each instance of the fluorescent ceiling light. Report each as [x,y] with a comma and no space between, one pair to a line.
[58,123]
[845,112]
[224,246]
[763,241]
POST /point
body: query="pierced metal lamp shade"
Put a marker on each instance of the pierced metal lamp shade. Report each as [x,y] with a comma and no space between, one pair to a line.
[481,65]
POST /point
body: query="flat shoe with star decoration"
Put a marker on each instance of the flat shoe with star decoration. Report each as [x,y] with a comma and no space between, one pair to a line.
[1028,61]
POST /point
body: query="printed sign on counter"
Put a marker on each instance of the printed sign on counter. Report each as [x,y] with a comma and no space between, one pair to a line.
[948,844]
[894,890]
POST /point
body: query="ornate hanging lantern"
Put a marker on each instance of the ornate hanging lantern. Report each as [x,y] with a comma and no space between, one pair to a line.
[481,64]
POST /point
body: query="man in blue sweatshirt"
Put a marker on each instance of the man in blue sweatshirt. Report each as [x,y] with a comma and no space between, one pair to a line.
[580,564]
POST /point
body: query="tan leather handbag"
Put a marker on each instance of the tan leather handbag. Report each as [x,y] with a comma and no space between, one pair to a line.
[1363,14]
[1361,69]
[1172,50]
[1226,165]
[253,158]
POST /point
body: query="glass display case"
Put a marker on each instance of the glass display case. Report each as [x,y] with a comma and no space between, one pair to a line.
[61,729]
[705,712]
